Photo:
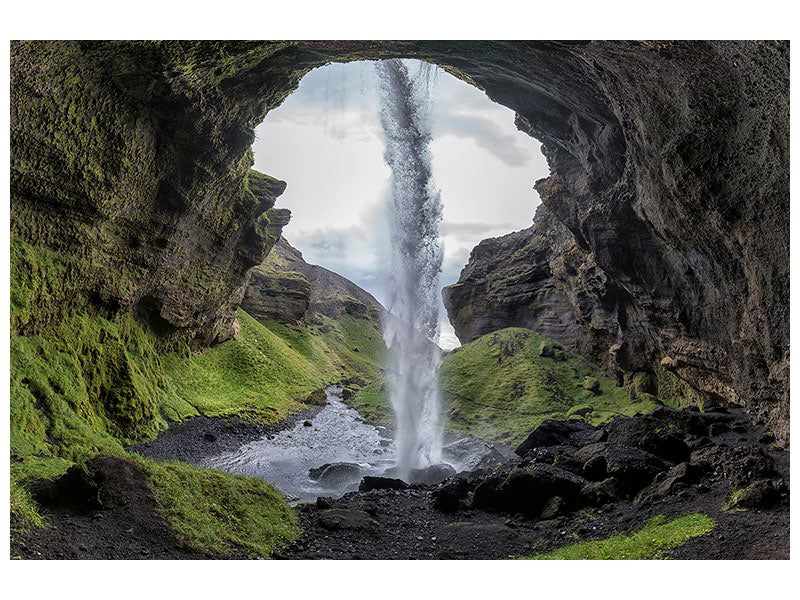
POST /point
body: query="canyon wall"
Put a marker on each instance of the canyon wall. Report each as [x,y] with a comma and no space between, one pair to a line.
[663,237]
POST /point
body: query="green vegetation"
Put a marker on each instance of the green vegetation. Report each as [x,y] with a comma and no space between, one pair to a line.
[650,542]
[269,369]
[504,384]
[218,513]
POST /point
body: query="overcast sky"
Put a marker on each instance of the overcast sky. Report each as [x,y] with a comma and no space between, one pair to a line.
[325,142]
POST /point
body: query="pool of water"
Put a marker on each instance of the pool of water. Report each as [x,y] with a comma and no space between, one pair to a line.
[337,435]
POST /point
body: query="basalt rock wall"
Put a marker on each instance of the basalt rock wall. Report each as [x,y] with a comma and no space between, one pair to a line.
[668,194]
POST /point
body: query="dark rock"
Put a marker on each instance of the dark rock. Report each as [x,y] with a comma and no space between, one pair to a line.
[553,507]
[527,490]
[209,437]
[336,519]
[632,467]
[307,423]
[591,384]
[451,495]
[670,483]
[431,475]
[324,502]
[759,494]
[370,483]
[597,493]
[472,453]
[553,433]
[738,465]
[336,474]
[716,429]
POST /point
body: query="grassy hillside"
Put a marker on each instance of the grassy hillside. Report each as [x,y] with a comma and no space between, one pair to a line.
[502,385]
[87,385]
[268,370]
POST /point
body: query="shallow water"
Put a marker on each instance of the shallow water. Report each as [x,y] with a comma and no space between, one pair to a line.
[337,434]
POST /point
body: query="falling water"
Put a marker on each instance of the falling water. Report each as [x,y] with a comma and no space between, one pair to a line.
[415,210]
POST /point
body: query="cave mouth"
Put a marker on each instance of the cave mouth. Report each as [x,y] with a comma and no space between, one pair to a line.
[324,140]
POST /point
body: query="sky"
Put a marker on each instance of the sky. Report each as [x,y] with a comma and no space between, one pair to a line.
[325,141]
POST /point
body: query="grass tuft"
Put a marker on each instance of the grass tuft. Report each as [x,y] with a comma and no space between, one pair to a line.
[650,542]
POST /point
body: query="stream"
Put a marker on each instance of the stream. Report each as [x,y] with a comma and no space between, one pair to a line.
[337,435]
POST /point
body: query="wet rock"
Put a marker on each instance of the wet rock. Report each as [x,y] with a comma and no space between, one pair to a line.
[431,475]
[472,453]
[209,437]
[370,483]
[336,474]
[335,519]
[307,423]
[553,433]
[451,495]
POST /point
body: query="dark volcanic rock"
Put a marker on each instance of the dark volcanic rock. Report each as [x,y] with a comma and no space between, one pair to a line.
[431,475]
[369,483]
[451,495]
[527,490]
[759,494]
[335,474]
[633,468]
[339,518]
[553,433]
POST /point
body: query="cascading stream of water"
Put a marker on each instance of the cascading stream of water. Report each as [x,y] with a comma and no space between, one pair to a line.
[411,328]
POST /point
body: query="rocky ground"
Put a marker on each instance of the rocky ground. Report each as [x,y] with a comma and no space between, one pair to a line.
[577,482]
[570,482]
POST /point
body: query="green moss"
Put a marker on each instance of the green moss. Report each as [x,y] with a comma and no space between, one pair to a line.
[499,387]
[674,391]
[268,369]
[650,542]
[218,513]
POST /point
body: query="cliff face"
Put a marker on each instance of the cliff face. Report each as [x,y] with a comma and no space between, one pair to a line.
[669,171]
[668,195]
[285,288]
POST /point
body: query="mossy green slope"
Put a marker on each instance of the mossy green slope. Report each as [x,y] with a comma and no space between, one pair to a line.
[217,513]
[650,542]
[268,370]
[504,384]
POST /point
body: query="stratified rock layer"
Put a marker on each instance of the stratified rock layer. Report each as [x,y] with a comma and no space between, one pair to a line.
[285,288]
[130,161]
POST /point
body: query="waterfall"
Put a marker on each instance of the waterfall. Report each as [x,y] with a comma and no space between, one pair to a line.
[411,328]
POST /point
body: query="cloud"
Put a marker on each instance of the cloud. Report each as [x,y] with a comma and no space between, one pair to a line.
[486,134]
[471,231]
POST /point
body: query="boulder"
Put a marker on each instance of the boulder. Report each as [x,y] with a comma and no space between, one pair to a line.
[553,433]
[527,490]
[431,475]
[633,468]
[670,483]
[451,495]
[597,493]
[336,474]
[553,507]
[471,453]
[369,483]
[759,494]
